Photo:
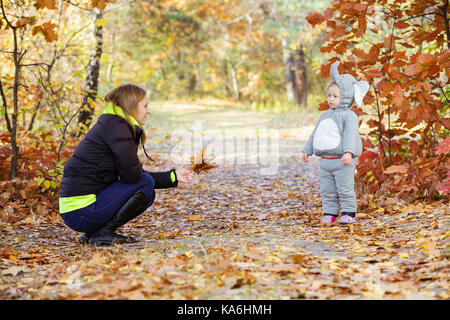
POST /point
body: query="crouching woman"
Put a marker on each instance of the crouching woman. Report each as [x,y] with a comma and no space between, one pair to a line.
[104,185]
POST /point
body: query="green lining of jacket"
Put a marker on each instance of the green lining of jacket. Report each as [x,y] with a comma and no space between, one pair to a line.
[118,111]
[67,204]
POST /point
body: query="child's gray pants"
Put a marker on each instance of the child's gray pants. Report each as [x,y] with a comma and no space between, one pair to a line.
[337,183]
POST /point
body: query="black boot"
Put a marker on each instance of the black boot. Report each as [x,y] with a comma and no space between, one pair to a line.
[84,238]
[132,208]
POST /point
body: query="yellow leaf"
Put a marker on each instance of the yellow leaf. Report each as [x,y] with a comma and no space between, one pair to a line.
[444,295]
[47,184]
[194,218]
[100,23]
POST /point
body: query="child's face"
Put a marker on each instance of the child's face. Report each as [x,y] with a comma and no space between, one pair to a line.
[334,96]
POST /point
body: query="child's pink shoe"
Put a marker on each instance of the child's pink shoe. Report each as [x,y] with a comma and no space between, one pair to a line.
[328,219]
[347,219]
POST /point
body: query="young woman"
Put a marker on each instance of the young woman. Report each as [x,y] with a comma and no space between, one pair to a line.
[104,185]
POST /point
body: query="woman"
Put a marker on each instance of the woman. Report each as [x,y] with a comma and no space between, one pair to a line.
[104,185]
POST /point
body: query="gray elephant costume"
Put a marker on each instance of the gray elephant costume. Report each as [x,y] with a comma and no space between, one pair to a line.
[335,134]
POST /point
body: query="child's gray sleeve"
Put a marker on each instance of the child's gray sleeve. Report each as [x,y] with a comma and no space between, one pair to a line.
[351,127]
[308,148]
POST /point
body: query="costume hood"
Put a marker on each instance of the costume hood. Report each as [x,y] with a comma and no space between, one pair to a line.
[350,87]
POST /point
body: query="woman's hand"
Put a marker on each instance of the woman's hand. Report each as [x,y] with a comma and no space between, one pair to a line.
[185,176]
[347,158]
[304,157]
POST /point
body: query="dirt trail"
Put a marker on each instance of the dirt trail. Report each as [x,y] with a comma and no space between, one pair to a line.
[245,230]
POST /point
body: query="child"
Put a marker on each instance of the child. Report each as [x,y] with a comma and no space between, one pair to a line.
[336,141]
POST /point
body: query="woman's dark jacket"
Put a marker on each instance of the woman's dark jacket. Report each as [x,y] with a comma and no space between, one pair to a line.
[107,153]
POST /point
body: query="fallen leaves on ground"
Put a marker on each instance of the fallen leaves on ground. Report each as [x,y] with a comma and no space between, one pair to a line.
[237,234]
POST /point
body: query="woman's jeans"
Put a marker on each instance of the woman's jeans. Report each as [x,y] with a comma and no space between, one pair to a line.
[109,201]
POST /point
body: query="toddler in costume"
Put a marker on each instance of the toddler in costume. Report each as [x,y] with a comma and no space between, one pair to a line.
[336,141]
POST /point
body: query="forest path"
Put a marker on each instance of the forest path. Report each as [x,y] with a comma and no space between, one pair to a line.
[248,229]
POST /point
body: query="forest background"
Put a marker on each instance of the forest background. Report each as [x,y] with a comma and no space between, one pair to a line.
[59,58]
[233,64]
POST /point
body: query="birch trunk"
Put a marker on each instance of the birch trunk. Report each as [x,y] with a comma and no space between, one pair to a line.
[287,66]
[87,109]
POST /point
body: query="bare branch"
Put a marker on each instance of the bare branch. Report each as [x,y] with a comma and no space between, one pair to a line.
[5,105]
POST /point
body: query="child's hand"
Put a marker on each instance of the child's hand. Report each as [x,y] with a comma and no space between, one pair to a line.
[347,158]
[304,157]
[185,176]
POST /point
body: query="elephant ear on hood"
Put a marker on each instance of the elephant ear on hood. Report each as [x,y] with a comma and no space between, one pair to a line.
[334,73]
[361,88]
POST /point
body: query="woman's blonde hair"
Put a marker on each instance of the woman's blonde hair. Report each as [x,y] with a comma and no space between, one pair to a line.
[127,96]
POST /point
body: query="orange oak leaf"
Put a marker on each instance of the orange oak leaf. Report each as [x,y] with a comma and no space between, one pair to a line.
[315,18]
[360,6]
[47,29]
[396,169]
[49,4]
[444,146]
[398,98]
[100,4]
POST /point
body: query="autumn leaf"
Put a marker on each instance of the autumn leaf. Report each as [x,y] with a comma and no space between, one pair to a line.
[398,97]
[24,22]
[194,218]
[396,169]
[444,186]
[99,4]
[360,6]
[315,18]
[401,24]
[200,163]
[49,4]
[411,70]
[328,14]
[444,146]
[47,29]
[324,106]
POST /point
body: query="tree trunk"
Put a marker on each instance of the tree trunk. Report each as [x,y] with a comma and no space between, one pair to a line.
[109,71]
[14,146]
[446,22]
[192,84]
[288,72]
[17,56]
[236,93]
[225,79]
[298,71]
[87,109]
